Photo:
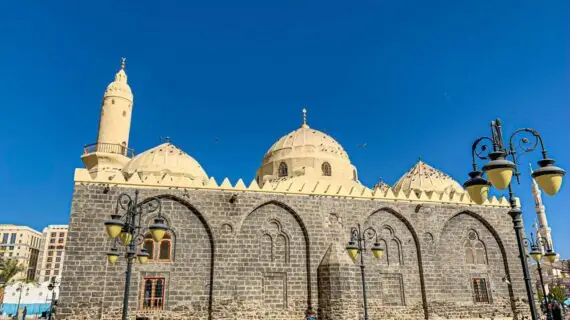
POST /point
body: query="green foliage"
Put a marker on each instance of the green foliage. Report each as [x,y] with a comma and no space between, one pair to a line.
[558,293]
[9,268]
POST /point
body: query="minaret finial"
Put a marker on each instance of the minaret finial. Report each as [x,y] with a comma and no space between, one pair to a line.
[305,125]
[123,63]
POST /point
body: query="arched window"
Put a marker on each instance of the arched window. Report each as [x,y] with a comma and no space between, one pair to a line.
[165,249]
[326,168]
[148,244]
[354,175]
[283,169]
[161,251]
[480,256]
[474,249]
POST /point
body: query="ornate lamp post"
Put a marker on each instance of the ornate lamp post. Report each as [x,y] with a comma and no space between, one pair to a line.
[128,229]
[356,246]
[51,286]
[500,171]
[537,243]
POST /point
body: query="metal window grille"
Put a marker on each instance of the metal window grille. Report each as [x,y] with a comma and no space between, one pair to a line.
[480,292]
[153,294]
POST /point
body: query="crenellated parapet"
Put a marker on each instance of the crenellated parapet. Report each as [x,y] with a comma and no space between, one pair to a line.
[296,187]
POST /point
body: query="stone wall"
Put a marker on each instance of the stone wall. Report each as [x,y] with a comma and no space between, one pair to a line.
[275,256]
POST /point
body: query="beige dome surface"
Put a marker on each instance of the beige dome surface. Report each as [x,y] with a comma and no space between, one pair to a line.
[307,140]
[120,87]
[165,159]
[310,154]
[423,177]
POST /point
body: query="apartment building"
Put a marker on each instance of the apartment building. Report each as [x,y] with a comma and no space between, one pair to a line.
[52,252]
[23,244]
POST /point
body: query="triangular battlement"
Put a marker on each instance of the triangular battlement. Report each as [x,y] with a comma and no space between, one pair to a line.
[83,176]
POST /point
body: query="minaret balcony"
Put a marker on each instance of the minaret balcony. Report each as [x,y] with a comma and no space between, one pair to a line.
[109,148]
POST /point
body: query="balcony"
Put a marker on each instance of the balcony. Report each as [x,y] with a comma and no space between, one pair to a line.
[109,148]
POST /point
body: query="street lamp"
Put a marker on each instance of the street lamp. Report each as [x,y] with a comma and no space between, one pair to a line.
[128,230]
[356,246]
[537,244]
[20,287]
[51,287]
[500,171]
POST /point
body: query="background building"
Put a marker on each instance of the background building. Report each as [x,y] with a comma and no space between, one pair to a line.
[52,252]
[21,243]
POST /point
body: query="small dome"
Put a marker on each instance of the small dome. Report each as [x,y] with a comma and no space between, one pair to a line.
[382,186]
[423,177]
[310,154]
[163,159]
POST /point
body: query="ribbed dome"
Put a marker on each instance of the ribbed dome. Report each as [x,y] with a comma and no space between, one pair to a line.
[310,154]
[423,177]
[306,140]
[162,159]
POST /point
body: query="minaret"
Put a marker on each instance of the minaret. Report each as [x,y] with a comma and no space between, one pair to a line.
[116,110]
[542,227]
[110,152]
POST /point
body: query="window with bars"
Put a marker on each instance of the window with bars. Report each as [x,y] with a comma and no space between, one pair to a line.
[480,292]
[152,294]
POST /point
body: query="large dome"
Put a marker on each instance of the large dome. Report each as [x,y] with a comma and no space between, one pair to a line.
[165,159]
[309,154]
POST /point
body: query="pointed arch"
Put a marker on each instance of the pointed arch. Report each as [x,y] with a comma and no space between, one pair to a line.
[301,224]
[500,244]
[208,229]
[418,252]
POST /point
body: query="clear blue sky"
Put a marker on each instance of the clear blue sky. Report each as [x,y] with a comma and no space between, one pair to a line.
[410,79]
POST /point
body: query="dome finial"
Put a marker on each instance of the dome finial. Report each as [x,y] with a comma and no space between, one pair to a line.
[123,63]
[305,119]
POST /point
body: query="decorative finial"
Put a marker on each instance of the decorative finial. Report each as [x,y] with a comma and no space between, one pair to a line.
[123,63]
[165,139]
[304,118]
[419,158]
[530,165]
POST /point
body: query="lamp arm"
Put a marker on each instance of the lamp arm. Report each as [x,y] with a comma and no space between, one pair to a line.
[528,243]
[124,202]
[150,205]
[525,145]
[478,148]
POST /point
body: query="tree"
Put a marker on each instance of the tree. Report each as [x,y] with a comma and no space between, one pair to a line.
[9,268]
[558,293]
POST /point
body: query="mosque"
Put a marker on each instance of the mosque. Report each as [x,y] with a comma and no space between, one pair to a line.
[275,247]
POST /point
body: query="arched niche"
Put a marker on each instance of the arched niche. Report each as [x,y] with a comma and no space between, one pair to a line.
[396,280]
[194,256]
[470,249]
[278,283]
